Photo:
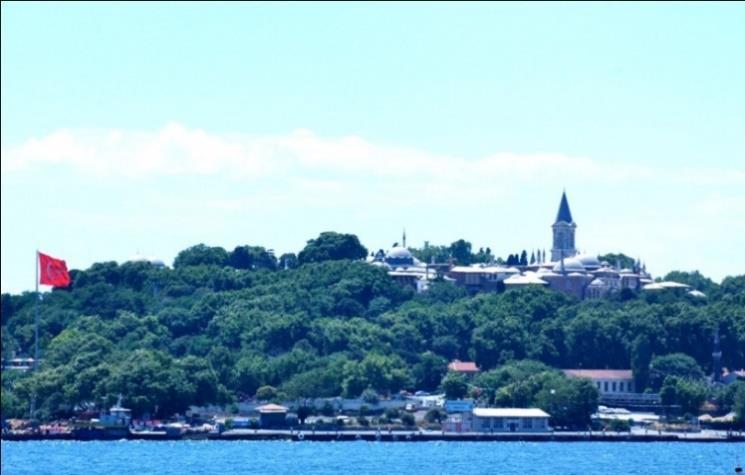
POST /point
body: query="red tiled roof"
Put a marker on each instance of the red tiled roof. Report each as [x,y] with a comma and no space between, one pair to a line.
[463,366]
[599,373]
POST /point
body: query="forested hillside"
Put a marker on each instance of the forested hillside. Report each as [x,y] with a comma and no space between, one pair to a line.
[218,326]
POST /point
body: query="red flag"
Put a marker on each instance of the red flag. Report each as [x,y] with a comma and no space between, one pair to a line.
[53,271]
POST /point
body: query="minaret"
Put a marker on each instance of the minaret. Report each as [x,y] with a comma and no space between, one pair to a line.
[563,230]
[716,355]
[403,240]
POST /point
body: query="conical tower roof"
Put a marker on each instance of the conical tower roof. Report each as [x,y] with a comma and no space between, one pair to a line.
[564,214]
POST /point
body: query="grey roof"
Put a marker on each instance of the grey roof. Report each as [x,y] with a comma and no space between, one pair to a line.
[564,214]
[508,412]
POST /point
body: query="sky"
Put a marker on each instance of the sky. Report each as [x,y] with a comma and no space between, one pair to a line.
[144,128]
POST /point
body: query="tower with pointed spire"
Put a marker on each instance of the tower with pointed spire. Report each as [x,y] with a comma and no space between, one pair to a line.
[563,230]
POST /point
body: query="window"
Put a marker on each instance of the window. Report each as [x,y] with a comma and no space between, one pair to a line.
[527,423]
[605,386]
[614,386]
[498,423]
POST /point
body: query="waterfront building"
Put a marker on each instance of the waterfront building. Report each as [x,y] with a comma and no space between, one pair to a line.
[501,419]
[272,416]
[509,419]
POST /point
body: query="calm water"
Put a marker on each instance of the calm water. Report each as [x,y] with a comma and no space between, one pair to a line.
[228,458]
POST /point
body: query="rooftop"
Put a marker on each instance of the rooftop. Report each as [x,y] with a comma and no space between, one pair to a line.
[271,408]
[600,373]
[463,366]
[508,412]
[564,215]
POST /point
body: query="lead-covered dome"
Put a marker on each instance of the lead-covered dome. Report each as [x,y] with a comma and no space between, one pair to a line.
[399,256]
[589,261]
[571,264]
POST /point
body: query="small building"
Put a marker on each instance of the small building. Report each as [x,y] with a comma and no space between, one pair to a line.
[272,416]
[480,277]
[509,419]
[608,381]
[729,377]
[468,368]
[18,364]
[429,401]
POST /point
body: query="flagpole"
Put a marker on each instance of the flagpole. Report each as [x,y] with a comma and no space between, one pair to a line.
[36,331]
[36,314]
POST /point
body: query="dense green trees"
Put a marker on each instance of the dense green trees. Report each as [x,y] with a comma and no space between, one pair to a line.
[455,386]
[221,325]
[618,259]
[252,257]
[330,246]
[533,384]
[675,364]
[687,393]
[201,255]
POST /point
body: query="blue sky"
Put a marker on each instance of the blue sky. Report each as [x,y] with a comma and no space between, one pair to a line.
[146,128]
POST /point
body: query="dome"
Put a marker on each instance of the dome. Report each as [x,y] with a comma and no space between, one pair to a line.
[570,265]
[399,256]
[399,253]
[151,260]
[597,283]
[589,261]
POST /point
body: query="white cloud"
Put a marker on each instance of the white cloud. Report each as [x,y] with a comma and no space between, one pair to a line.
[722,205]
[321,166]
[177,150]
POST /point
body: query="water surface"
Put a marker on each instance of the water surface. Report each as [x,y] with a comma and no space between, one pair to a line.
[358,458]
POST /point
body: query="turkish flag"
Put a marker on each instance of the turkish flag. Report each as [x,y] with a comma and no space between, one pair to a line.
[53,271]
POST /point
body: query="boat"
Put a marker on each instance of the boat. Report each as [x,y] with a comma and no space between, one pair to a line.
[111,426]
[173,431]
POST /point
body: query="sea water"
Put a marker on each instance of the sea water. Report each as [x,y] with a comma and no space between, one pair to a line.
[358,458]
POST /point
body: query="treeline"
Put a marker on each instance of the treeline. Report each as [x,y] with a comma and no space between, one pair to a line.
[220,325]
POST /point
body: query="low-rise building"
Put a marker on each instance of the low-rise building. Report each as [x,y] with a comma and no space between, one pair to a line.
[509,419]
[272,416]
[608,381]
[467,368]
[501,419]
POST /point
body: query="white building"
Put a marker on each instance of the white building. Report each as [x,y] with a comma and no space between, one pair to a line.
[608,381]
[501,419]
[509,419]
[406,269]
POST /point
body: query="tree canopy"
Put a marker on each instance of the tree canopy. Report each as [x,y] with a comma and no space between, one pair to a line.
[220,325]
[331,246]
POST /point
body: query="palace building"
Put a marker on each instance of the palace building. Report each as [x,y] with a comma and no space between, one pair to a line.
[582,275]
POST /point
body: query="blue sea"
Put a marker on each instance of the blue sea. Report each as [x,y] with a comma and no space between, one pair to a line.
[358,458]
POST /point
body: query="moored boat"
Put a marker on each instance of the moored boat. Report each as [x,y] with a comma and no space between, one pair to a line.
[111,426]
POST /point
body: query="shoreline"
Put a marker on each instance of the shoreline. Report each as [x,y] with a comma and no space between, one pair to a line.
[396,436]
